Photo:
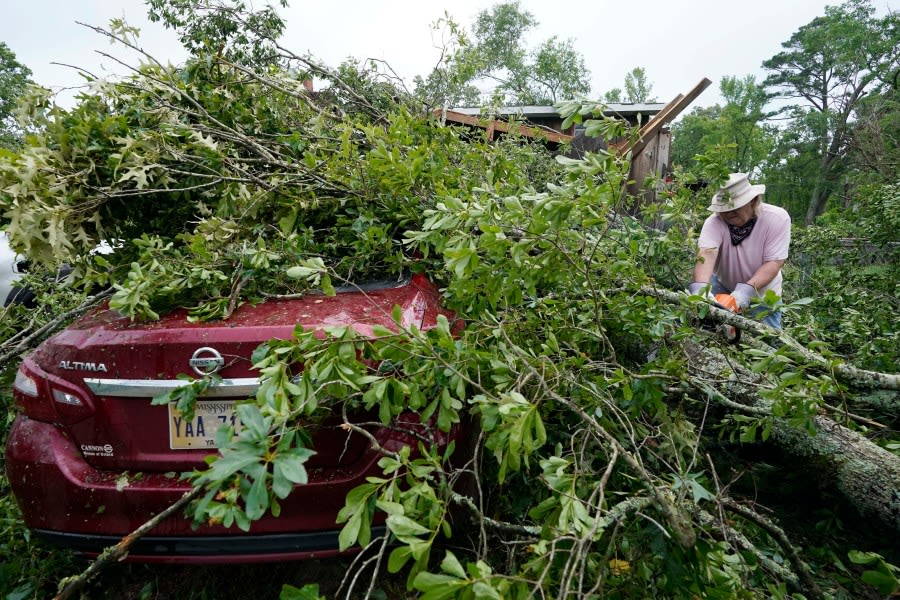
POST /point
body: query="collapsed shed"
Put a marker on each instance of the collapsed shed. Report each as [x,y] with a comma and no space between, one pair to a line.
[650,151]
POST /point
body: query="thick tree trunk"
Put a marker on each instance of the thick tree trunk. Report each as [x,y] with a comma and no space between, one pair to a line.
[866,474]
[816,203]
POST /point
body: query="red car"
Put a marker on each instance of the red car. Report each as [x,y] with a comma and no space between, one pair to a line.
[90,459]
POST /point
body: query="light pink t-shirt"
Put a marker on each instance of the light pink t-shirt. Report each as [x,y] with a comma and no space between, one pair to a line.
[769,240]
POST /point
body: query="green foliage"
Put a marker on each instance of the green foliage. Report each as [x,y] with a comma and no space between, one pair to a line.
[450,83]
[529,323]
[848,264]
[259,466]
[222,28]
[881,575]
[223,183]
[496,54]
[876,137]
[499,32]
[827,68]
[737,127]
[14,78]
[307,592]
[637,88]
[477,580]
[189,188]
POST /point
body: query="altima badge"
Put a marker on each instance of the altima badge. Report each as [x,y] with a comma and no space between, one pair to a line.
[206,361]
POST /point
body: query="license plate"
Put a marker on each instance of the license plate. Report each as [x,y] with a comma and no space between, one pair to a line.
[200,432]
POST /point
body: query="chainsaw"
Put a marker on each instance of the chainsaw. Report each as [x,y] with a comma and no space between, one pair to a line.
[731,333]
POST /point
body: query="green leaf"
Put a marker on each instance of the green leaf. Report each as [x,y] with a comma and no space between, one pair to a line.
[451,565]
[885,583]
[483,590]
[398,557]
[253,421]
[257,499]
[307,592]
[288,470]
[350,532]
[404,527]
[436,586]
[863,558]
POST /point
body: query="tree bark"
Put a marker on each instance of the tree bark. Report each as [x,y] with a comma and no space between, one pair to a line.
[866,474]
[859,378]
[816,204]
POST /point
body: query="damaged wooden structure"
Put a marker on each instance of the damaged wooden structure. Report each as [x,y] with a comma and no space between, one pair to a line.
[650,150]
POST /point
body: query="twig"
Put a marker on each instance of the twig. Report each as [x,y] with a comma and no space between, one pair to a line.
[855,417]
[725,401]
[72,585]
[741,541]
[526,531]
[358,566]
[60,320]
[676,520]
[348,426]
[809,584]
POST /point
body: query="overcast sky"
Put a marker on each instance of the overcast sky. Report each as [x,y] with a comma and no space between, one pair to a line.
[676,42]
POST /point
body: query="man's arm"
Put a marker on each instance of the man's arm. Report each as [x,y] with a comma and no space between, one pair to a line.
[706,263]
[764,274]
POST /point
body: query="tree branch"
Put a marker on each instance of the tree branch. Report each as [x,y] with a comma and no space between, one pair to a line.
[72,585]
[856,376]
[809,585]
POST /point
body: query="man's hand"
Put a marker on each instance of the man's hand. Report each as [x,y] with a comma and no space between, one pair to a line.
[697,287]
[742,294]
[728,302]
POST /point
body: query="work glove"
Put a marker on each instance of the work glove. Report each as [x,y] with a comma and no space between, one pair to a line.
[742,294]
[697,287]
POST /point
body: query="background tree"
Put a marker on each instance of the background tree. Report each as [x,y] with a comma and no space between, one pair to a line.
[692,133]
[637,87]
[826,69]
[613,95]
[496,59]
[14,77]
[875,140]
[450,81]
[738,128]
[556,72]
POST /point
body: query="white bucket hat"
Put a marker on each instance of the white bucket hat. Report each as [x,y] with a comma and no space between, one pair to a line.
[735,194]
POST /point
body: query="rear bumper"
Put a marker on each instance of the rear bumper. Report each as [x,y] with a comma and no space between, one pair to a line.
[208,549]
[70,503]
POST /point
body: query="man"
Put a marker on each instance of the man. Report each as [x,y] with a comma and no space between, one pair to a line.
[743,246]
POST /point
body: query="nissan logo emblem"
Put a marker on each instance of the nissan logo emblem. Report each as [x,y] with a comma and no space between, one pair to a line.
[206,361]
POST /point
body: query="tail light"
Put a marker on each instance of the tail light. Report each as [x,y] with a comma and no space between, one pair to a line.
[25,384]
[29,391]
[44,397]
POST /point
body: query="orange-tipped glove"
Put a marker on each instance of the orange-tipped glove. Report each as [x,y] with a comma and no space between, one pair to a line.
[727,301]
[742,294]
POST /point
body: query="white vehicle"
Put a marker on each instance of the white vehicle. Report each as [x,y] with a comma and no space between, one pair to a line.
[10,267]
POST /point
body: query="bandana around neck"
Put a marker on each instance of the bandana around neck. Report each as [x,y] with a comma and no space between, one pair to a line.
[739,234]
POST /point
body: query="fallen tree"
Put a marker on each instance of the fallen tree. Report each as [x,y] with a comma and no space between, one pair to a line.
[867,474]
[594,389]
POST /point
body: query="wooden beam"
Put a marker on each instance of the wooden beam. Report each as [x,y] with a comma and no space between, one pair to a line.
[667,114]
[495,125]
